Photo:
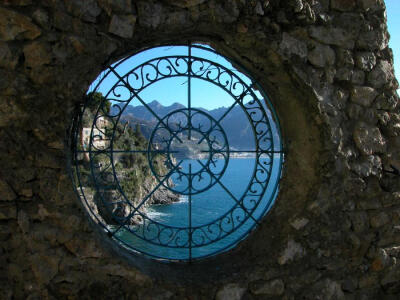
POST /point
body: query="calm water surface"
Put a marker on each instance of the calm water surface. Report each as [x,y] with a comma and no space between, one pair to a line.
[206,208]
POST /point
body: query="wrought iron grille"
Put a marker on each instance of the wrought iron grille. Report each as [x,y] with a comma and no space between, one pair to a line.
[186,155]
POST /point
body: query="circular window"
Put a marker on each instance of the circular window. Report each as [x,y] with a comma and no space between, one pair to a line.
[177,154]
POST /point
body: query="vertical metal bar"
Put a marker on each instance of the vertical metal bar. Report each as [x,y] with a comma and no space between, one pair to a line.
[190,212]
[190,90]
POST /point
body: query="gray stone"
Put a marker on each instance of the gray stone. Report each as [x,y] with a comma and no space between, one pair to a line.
[44,266]
[391,281]
[87,10]
[369,203]
[297,5]
[381,74]
[381,261]
[8,210]
[367,166]
[258,9]
[231,291]
[41,17]
[37,54]
[333,36]
[23,221]
[369,139]
[366,60]
[274,287]
[363,95]
[358,77]
[349,285]
[291,46]
[8,59]
[344,74]
[281,18]
[359,221]
[62,21]
[6,193]
[393,251]
[17,2]
[343,5]
[373,40]
[386,102]
[379,220]
[345,58]
[150,14]
[321,56]
[122,26]
[116,6]
[354,185]
[299,223]
[178,18]
[16,26]
[292,252]
[328,289]
[184,3]
[371,5]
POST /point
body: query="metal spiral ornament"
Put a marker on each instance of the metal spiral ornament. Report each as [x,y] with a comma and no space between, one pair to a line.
[103,193]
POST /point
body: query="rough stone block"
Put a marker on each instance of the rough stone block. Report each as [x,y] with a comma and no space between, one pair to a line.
[367,166]
[292,46]
[373,40]
[322,56]
[184,3]
[369,139]
[8,211]
[363,95]
[8,58]
[116,6]
[16,26]
[122,26]
[150,14]
[292,251]
[45,266]
[6,193]
[274,287]
[333,36]
[359,221]
[345,58]
[379,220]
[17,2]
[358,77]
[371,5]
[37,54]
[231,291]
[343,5]
[87,10]
[366,60]
[381,74]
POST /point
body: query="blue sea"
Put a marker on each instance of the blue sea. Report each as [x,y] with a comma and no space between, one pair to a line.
[218,221]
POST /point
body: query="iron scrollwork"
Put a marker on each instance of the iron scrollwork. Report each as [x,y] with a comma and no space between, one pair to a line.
[107,201]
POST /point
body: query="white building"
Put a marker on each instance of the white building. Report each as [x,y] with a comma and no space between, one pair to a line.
[99,138]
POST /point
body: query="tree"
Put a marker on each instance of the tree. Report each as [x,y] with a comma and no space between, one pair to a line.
[95,99]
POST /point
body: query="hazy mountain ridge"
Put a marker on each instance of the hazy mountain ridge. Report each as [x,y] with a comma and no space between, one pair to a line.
[235,124]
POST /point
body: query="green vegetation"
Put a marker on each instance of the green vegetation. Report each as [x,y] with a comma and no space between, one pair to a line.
[132,169]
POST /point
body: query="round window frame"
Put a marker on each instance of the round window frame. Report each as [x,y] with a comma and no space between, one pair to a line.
[254,86]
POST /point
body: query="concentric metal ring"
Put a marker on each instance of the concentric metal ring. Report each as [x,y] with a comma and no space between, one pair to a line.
[102,184]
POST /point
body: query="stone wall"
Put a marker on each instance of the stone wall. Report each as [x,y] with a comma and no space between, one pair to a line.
[334,232]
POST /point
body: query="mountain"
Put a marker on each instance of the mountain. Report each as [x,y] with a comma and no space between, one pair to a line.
[142,113]
[235,124]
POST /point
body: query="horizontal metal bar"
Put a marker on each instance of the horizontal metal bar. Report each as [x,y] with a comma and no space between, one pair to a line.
[242,151]
[127,151]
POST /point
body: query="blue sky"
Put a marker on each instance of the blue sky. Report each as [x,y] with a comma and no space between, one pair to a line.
[171,90]
[393,17]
